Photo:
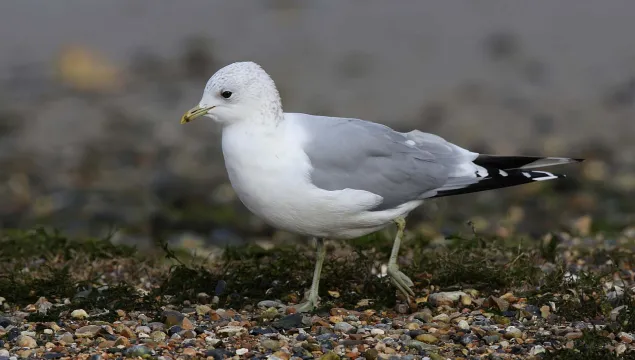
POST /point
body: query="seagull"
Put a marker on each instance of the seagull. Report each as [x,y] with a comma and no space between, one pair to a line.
[340,178]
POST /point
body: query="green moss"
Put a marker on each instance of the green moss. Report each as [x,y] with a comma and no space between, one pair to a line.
[47,243]
[591,346]
[578,297]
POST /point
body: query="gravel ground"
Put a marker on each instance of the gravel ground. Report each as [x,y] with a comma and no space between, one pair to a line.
[569,299]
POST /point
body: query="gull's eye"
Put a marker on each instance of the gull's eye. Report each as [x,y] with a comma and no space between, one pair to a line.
[226,94]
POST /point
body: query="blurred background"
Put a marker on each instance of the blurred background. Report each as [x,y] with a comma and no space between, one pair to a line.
[91,93]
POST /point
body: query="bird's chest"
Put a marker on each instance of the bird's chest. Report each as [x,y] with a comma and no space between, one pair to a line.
[265,173]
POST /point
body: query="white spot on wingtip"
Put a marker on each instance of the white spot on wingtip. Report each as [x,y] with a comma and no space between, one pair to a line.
[548,176]
[502,172]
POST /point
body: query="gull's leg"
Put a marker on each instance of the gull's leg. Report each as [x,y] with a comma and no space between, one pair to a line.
[397,278]
[311,296]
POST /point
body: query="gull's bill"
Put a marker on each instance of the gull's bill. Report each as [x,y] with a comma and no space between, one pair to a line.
[195,112]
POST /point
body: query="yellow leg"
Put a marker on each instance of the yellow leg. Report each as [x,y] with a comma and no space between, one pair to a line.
[397,278]
[312,298]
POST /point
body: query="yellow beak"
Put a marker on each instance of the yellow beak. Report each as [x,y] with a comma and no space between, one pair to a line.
[195,112]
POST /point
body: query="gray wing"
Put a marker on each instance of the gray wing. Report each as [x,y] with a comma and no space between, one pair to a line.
[357,154]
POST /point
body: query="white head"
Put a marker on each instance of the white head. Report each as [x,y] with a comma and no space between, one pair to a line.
[241,91]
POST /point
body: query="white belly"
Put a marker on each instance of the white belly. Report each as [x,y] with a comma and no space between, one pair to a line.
[271,178]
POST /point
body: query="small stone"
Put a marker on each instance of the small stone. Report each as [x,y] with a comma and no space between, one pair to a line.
[203,298]
[88,331]
[501,319]
[491,339]
[441,318]
[424,315]
[496,303]
[343,327]
[122,341]
[289,322]
[270,344]
[545,311]
[448,298]
[468,339]
[231,330]
[26,341]
[466,300]
[402,308]
[191,352]
[415,344]
[282,355]
[376,331]
[538,349]
[106,344]
[67,338]
[188,334]
[371,354]
[620,349]
[427,338]
[186,324]
[174,330]
[79,314]
[330,356]
[4,353]
[138,350]
[171,318]
[463,325]
[513,332]
[203,310]
[241,351]
[127,332]
[5,322]
[265,304]
[158,336]
[573,335]
[625,337]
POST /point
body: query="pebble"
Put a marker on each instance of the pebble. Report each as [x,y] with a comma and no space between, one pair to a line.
[427,338]
[139,350]
[415,344]
[513,332]
[376,331]
[371,354]
[463,325]
[442,317]
[573,335]
[67,338]
[538,349]
[491,339]
[270,344]
[468,339]
[26,341]
[158,336]
[343,327]
[446,298]
[231,330]
[88,331]
[625,337]
[171,318]
[79,314]
[203,309]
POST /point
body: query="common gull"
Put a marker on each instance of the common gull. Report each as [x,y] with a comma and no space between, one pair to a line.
[340,178]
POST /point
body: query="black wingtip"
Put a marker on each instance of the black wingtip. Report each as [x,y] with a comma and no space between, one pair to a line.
[578,160]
